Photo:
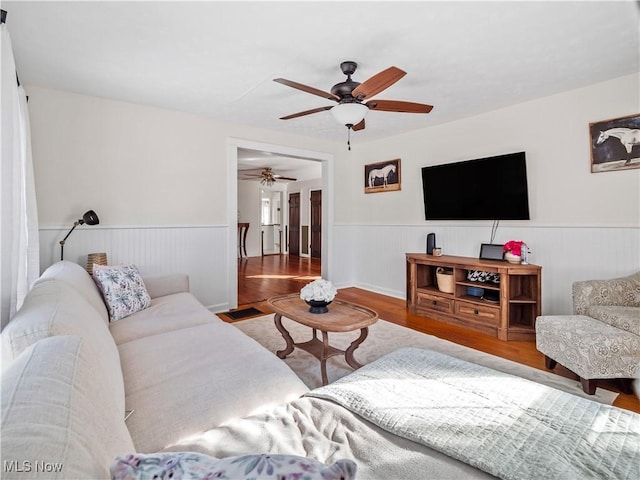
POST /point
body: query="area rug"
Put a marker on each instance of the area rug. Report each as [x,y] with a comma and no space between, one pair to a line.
[385,337]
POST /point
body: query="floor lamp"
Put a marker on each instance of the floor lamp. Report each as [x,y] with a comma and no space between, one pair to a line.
[90,218]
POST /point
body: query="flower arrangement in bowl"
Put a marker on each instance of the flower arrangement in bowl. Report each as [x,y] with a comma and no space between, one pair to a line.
[318,294]
[513,251]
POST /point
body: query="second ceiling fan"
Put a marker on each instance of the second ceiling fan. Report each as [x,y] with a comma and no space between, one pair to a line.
[268,177]
[355,99]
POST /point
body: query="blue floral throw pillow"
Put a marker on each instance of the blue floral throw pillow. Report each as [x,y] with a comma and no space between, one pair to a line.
[122,288]
[192,466]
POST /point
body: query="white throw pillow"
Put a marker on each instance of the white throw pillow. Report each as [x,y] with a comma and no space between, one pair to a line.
[191,466]
[123,290]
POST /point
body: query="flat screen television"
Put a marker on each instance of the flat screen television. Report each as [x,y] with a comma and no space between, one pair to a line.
[492,188]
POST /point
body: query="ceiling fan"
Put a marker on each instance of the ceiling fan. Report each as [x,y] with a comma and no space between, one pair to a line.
[267,176]
[354,98]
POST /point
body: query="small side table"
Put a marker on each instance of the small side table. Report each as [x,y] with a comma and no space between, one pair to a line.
[341,317]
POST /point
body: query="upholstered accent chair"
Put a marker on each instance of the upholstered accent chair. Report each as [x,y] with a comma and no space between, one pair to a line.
[602,339]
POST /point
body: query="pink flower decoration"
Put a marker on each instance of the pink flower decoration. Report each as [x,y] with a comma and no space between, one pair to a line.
[514,247]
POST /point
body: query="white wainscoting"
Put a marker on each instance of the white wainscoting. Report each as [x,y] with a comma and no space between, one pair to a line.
[368,256]
[376,259]
[199,251]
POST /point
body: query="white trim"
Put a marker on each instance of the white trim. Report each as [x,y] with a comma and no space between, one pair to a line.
[481,225]
[232,201]
[132,227]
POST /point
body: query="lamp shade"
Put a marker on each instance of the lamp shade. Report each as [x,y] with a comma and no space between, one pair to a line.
[349,113]
[90,218]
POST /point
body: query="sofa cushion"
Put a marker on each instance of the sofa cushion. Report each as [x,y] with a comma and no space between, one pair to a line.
[57,411]
[80,280]
[167,313]
[122,288]
[209,365]
[166,284]
[624,318]
[56,308]
[198,465]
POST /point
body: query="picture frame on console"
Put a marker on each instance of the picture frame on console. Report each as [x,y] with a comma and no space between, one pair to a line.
[615,144]
[382,176]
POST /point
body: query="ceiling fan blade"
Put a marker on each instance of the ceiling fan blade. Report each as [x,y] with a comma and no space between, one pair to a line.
[398,106]
[378,83]
[358,126]
[280,177]
[306,88]
[306,112]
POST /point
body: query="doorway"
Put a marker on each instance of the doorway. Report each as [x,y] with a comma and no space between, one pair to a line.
[326,160]
[271,222]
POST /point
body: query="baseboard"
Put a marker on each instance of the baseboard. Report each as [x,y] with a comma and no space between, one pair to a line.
[218,308]
[383,291]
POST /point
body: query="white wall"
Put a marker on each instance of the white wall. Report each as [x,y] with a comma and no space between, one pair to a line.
[583,225]
[134,165]
[158,179]
[553,131]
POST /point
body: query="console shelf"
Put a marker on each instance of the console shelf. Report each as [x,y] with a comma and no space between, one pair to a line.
[510,315]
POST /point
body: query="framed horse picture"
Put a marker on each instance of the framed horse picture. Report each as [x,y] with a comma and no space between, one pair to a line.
[615,144]
[382,176]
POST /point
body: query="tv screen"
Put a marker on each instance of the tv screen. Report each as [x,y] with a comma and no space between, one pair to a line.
[492,188]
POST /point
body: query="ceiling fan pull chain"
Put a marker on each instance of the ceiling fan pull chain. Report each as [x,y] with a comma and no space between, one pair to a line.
[349,137]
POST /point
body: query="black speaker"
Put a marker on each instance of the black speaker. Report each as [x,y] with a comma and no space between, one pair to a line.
[431,243]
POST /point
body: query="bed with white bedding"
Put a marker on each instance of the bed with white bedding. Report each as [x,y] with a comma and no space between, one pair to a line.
[419,414]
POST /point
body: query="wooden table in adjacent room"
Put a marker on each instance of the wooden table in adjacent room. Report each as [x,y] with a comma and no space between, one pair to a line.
[341,317]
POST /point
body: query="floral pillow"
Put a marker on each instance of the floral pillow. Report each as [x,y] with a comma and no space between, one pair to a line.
[122,288]
[192,466]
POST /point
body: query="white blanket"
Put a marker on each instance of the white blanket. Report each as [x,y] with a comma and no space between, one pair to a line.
[505,425]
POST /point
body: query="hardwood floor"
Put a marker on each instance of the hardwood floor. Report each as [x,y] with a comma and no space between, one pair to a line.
[262,277]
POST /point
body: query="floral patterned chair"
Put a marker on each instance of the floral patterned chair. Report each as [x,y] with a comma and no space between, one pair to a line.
[602,338]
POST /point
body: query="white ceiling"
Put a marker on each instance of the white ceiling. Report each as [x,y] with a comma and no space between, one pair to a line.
[219,59]
[253,162]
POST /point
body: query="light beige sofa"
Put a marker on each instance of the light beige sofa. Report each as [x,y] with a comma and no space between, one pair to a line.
[70,376]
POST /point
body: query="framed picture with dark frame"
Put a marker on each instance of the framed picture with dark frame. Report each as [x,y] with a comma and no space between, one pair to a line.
[382,176]
[615,144]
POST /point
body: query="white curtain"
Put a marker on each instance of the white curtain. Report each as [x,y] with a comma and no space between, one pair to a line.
[19,244]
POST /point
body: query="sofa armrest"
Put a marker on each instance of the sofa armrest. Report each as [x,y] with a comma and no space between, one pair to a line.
[161,285]
[624,292]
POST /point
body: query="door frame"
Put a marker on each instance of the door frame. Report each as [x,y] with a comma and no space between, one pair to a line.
[233,144]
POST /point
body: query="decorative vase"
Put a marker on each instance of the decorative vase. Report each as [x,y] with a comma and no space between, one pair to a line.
[511,258]
[317,306]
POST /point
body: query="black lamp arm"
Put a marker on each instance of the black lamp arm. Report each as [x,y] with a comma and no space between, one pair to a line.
[75,224]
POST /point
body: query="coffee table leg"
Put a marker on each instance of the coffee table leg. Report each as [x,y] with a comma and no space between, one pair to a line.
[323,357]
[285,334]
[348,354]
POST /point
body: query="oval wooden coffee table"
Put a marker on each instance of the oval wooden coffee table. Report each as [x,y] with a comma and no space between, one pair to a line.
[341,317]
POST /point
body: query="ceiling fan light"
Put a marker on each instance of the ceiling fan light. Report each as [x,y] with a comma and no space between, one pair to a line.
[268,180]
[349,113]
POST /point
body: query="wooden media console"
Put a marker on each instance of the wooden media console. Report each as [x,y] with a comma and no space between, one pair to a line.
[511,312]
